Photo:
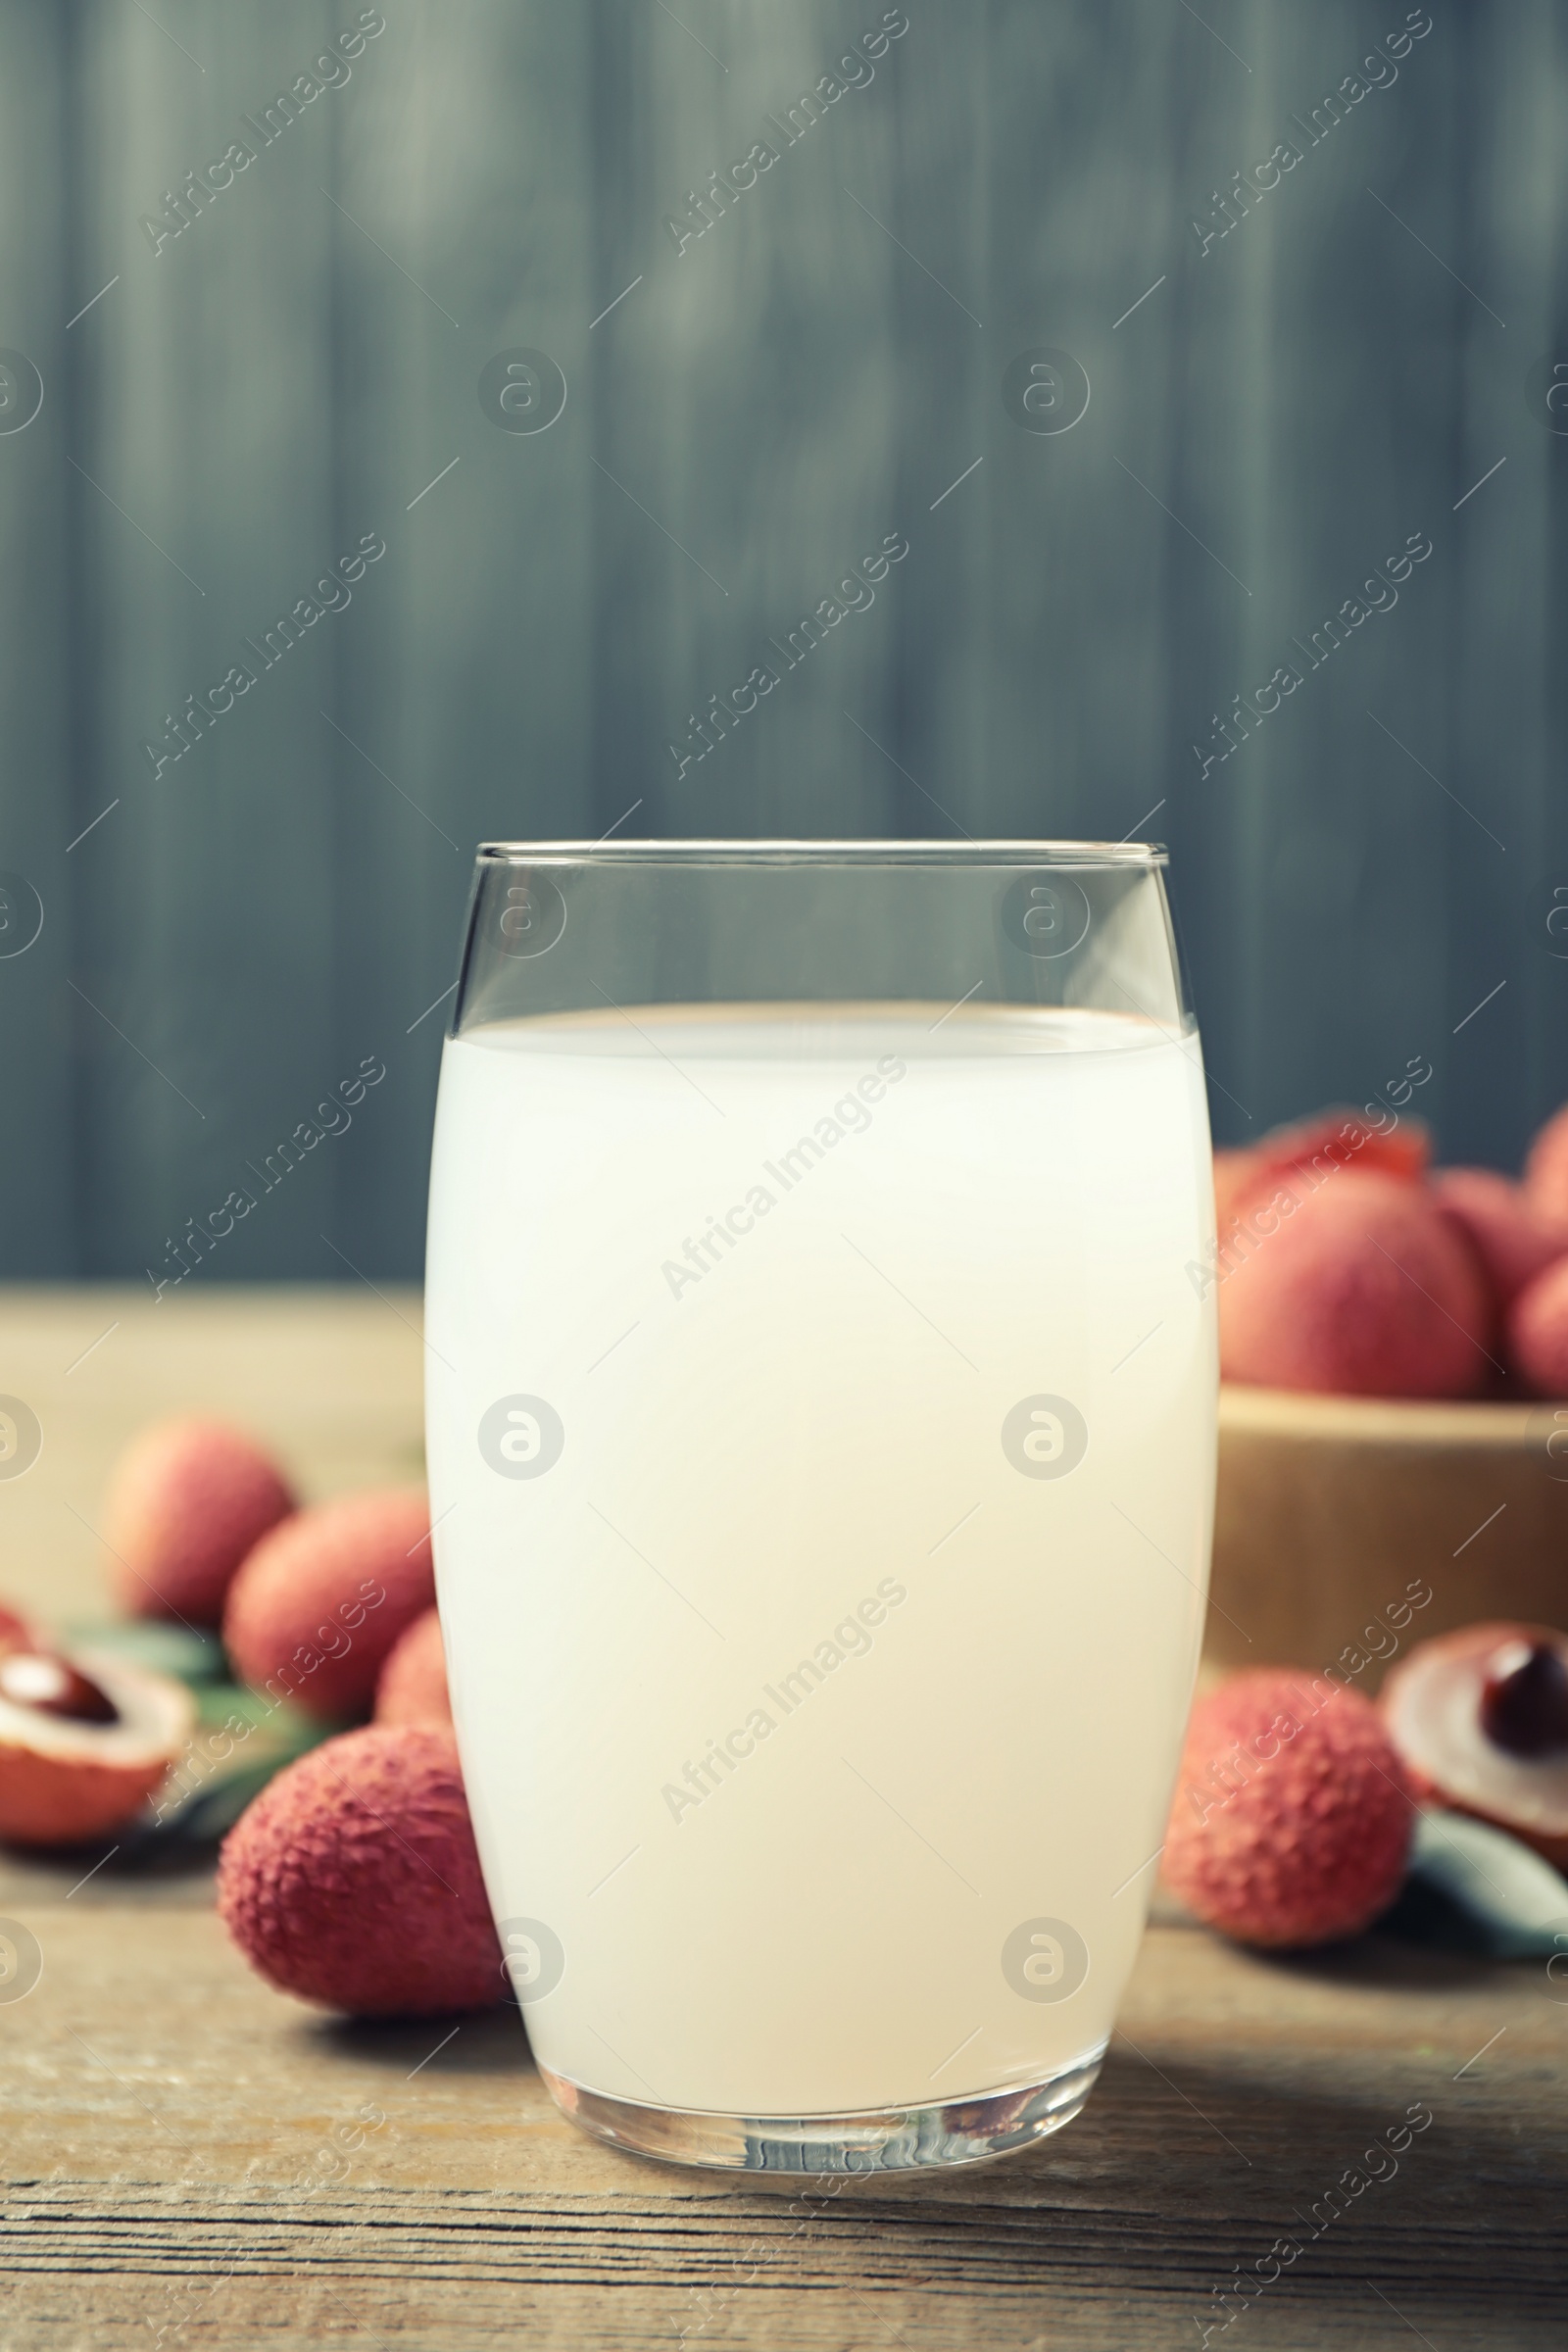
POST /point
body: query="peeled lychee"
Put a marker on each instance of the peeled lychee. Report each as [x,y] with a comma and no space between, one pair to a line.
[1293,1817]
[1546,1173]
[1507,1232]
[322,1601]
[1481,1719]
[353,1881]
[188,1501]
[1362,1286]
[84,1739]
[412,1688]
[1538,1331]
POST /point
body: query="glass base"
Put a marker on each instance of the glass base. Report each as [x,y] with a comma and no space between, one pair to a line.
[892,2139]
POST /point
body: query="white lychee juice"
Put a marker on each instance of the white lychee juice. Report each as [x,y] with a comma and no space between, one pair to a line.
[820,1424]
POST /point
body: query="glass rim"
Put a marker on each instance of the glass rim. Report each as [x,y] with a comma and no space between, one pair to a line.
[1143,855]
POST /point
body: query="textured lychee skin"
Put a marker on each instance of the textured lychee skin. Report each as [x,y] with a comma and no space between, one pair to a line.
[296,1599]
[1538,1331]
[1547,1174]
[1513,1243]
[188,1501]
[1364,1289]
[1313,1842]
[353,1881]
[412,1688]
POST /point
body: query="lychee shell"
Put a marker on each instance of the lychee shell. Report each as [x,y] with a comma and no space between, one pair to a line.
[1313,1842]
[1538,1331]
[62,1781]
[1512,1241]
[188,1501]
[412,1688]
[293,1604]
[44,1801]
[1341,1136]
[353,1881]
[1546,1173]
[1364,1289]
[1431,1702]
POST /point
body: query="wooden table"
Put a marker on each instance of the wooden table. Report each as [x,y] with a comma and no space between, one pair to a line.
[191,2159]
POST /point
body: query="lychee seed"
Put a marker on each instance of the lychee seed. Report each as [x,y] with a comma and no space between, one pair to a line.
[84,1739]
[1480,1717]
[1524,1699]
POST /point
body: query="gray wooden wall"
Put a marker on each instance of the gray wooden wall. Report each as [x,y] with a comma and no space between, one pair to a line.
[1292,402]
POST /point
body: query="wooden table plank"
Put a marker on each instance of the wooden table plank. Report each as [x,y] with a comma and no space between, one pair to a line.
[164,2114]
[166,2117]
[331,1377]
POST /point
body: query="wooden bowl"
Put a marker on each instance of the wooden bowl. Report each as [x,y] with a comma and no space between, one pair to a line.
[1336,1514]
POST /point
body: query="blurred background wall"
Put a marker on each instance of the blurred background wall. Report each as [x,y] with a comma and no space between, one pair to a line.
[811,275]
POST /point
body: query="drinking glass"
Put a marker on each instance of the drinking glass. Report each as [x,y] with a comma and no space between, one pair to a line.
[822,1403]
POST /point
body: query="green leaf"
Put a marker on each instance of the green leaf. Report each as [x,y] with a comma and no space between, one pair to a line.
[242,1740]
[181,1650]
[1475,1889]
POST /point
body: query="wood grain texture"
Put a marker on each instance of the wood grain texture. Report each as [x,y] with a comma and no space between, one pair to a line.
[173,2155]
[188,2157]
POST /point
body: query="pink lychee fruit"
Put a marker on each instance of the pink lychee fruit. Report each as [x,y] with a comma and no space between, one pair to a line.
[322,1600]
[1511,1238]
[1236,1173]
[1538,1331]
[412,1688]
[1362,1288]
[1343,1137]
[353,1880]
[1546,1173]
[1303,1150]
[188,1501]
[1293,1816]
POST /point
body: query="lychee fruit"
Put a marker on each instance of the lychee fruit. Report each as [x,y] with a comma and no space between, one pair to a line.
[1546,1173]
[1480,1718]
[188,1501]
[322,1601]
[1361,1288]
[1236,1174]
[1343,1138]
[1509,1236]
[353,1880]
[1293,1817]
[412,1688]
[84,1739]
[1538,1331]
[1300,1154]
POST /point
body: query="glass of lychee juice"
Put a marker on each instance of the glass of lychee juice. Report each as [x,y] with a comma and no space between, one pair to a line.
[822,1403]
